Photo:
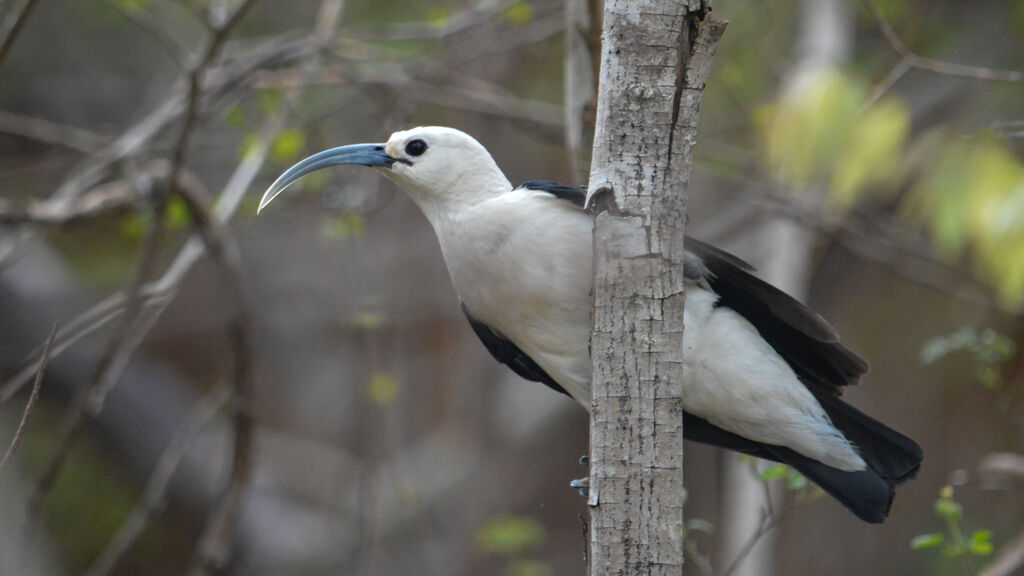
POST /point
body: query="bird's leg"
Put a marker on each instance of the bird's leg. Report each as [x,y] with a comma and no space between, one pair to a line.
[582,484]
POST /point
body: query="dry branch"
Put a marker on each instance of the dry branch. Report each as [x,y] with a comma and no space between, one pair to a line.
[33,396]
[909,60]
[14,25]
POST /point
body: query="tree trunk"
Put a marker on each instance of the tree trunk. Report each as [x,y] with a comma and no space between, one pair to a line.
[655,58]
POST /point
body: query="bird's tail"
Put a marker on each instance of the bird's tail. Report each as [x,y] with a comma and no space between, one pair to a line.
[891,459]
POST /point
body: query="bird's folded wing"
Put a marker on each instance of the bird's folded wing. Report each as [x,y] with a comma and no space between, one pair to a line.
[803,338]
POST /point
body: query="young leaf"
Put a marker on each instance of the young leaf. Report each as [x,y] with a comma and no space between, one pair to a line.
[924,541]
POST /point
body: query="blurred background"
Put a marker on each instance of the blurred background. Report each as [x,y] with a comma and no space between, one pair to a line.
[867,157]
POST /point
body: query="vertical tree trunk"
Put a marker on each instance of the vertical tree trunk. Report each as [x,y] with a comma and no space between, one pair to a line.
[655,58]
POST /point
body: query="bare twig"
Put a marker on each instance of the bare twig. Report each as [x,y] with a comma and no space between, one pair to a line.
[231,76]
[134,326]
[909,60]
[14,25]
[213,548]
[455,24]
[36,386]
[159,481]
[769,521]
[155,28]
[49,132]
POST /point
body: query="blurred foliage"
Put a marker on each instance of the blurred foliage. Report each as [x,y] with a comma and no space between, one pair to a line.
[510,535]
[383,388]
[519,13]
[988,351]
[819,134]
[969,192]
[91,498]
[287,146]
[794,480]
[529,568]
[343,225]
[953,543]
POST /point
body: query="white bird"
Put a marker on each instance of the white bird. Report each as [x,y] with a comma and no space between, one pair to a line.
[762,373]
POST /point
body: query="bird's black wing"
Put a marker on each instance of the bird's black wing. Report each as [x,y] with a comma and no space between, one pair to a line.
[803,338]
[574,194]
[506,352]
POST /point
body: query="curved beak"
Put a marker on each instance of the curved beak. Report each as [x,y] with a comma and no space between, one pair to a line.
[359,154]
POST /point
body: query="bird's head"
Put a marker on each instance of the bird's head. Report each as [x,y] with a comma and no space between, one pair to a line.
[439,168]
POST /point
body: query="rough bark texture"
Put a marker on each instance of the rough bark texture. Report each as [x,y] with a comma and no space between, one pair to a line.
[655,58]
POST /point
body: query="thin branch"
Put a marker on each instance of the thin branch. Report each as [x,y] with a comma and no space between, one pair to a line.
[212,551]
[769,521]
[154,27]
[231,76]
[36,387]
[14,25]
[48,132]
[909,60]
[134,326]
[159,481]
[459,22]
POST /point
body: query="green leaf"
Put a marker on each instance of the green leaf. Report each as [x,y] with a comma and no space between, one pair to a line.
[270,100]
[773,472]
[438,17]
[795,480]
[287,146]
[344,225]
[873,154]
[368,320]
[133,227]
[949,509]
[235,116]
[980,543]
[132,6]
[510,535]
[519,13]
[178,216]
[529,568]
[383,388]
[925,541]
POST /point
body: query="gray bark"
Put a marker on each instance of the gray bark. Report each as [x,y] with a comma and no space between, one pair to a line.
[655,58]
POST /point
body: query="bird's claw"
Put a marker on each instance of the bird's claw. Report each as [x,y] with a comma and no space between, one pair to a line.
[583,485]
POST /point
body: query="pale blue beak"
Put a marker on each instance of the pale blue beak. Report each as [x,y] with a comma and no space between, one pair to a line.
[358,154]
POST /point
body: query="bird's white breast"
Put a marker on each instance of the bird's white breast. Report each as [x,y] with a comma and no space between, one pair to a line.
[522,263]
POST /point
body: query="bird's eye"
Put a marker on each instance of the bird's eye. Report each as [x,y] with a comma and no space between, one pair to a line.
[416,147]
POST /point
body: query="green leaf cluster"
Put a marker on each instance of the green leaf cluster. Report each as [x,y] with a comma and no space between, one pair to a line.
[819,135]
[988,350]
[794,480]
[510,535]
[953,543]
[826,133]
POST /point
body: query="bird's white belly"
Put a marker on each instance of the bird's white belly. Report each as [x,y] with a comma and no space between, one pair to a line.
[531,279]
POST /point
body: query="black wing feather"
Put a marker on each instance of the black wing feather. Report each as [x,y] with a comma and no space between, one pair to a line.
[509,354]
[803,338]
[574,194]
[808,343]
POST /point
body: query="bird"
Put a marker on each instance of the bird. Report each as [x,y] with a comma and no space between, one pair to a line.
[762,373]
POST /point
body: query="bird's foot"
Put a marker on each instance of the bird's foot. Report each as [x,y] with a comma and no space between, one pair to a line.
[582,484]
